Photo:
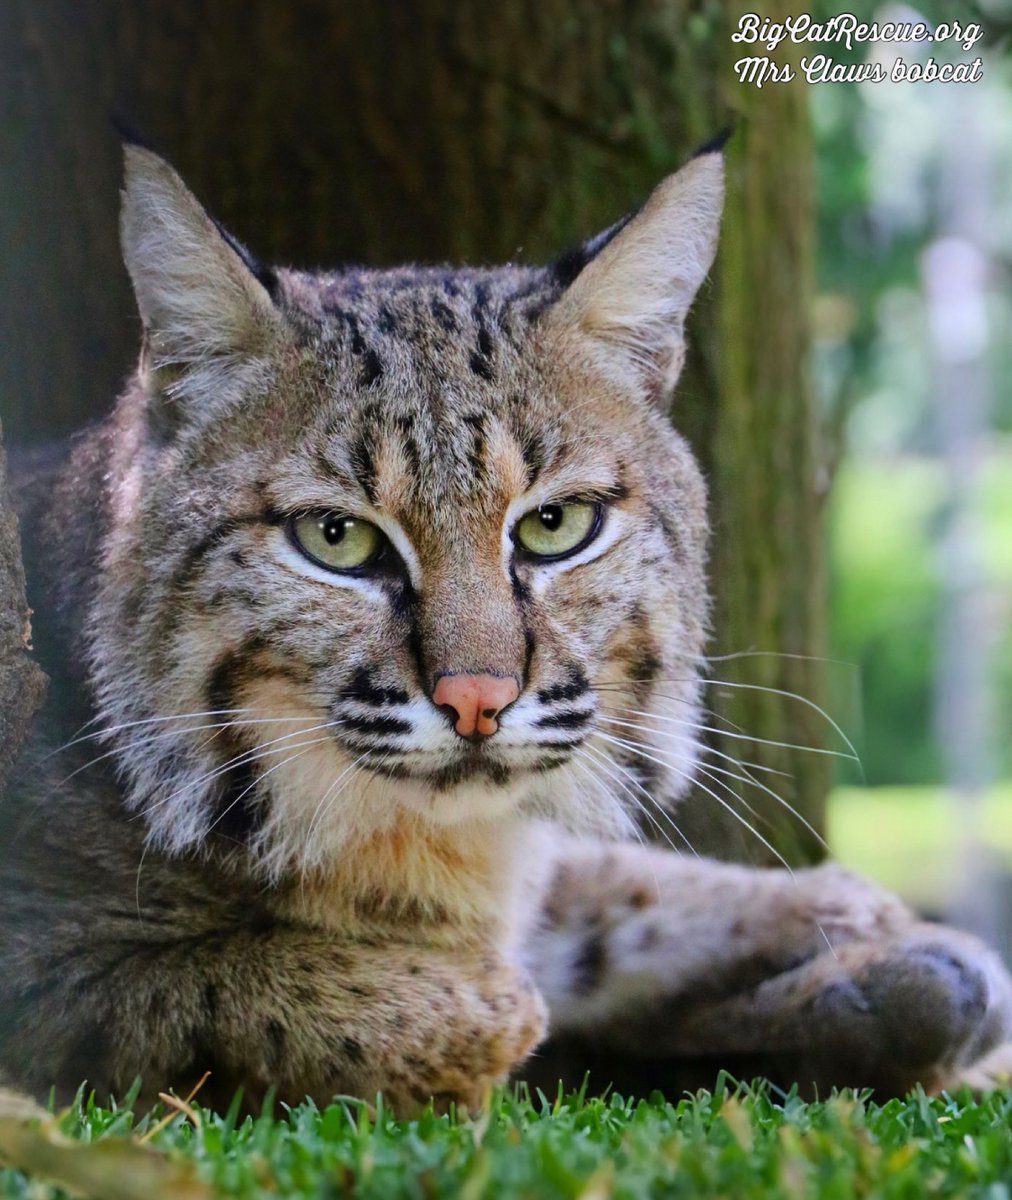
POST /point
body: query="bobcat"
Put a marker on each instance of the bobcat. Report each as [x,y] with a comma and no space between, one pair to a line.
[373,612]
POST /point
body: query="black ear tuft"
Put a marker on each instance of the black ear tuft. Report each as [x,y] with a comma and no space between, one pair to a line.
[717,143]
[571,262]
[130,134]
[265,275]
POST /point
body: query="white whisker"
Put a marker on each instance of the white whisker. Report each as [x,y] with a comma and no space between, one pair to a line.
[303,750]
[633,746]
[607,763]
[757,687]
[110,730]
[746,778]
[589,768]
[703,747]
[146,739]
[247,756]
[741,737]
[839,662]
[638,749]
[319,813]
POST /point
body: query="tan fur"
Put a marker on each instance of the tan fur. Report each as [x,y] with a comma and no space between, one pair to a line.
[249,840]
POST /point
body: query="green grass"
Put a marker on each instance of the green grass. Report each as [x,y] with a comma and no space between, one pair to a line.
[742,1143]
[911,838]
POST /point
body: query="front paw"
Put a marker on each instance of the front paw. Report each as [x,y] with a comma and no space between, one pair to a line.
[510,1020]
[495,1017]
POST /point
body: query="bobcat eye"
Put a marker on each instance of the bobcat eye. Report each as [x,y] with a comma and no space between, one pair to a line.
[336,541]
[556,531]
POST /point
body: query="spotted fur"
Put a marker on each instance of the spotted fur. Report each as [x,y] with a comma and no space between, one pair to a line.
[267,852]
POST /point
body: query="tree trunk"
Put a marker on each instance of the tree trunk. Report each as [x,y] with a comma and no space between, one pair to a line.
[22,684]
[767,474]
[323,132]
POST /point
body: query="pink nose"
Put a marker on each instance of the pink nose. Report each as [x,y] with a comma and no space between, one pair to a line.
[476,699]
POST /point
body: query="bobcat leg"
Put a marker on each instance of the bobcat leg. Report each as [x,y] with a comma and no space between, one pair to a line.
[820,978]
[914,1009]
[298,1010]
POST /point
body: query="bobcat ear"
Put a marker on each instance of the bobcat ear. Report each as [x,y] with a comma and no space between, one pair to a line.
[206,310]
[630,300]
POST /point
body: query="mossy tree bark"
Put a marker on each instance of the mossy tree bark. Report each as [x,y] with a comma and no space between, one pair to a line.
[323,132]
[22,684]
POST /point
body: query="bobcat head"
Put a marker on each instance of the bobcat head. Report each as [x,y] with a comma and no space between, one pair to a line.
[398,544]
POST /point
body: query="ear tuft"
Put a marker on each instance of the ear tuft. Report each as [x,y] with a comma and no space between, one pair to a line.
[717,143]
[198,295]
[629,302]
[129,133]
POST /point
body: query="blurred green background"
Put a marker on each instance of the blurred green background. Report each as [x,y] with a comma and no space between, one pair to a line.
[913,363]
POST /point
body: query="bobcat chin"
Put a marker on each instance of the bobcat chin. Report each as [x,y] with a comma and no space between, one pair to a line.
[374,614]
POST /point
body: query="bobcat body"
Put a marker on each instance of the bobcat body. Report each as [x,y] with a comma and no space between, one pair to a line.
[374,613]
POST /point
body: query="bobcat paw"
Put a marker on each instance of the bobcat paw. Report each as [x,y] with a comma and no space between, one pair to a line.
[493,1023]
[916,1010]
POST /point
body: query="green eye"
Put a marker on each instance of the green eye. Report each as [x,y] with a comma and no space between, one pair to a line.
[558,530]
[336,541]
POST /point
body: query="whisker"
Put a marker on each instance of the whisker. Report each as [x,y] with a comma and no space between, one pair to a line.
[700,767]
[260,778]
[702,747]
[690,702]
[712,772]
[319,817]
[579,754]
[317,814]
[729,808]
[110,730]
[636,829]
[757,687]
[607,763]
[636,748]
[149,738]
[760,818]
[747,778]
[638,785]
[243,759]
[716,716]
[744,762]
[742,737]
[839,662]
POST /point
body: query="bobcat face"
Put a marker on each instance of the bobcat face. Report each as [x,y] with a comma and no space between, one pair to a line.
[388,542]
